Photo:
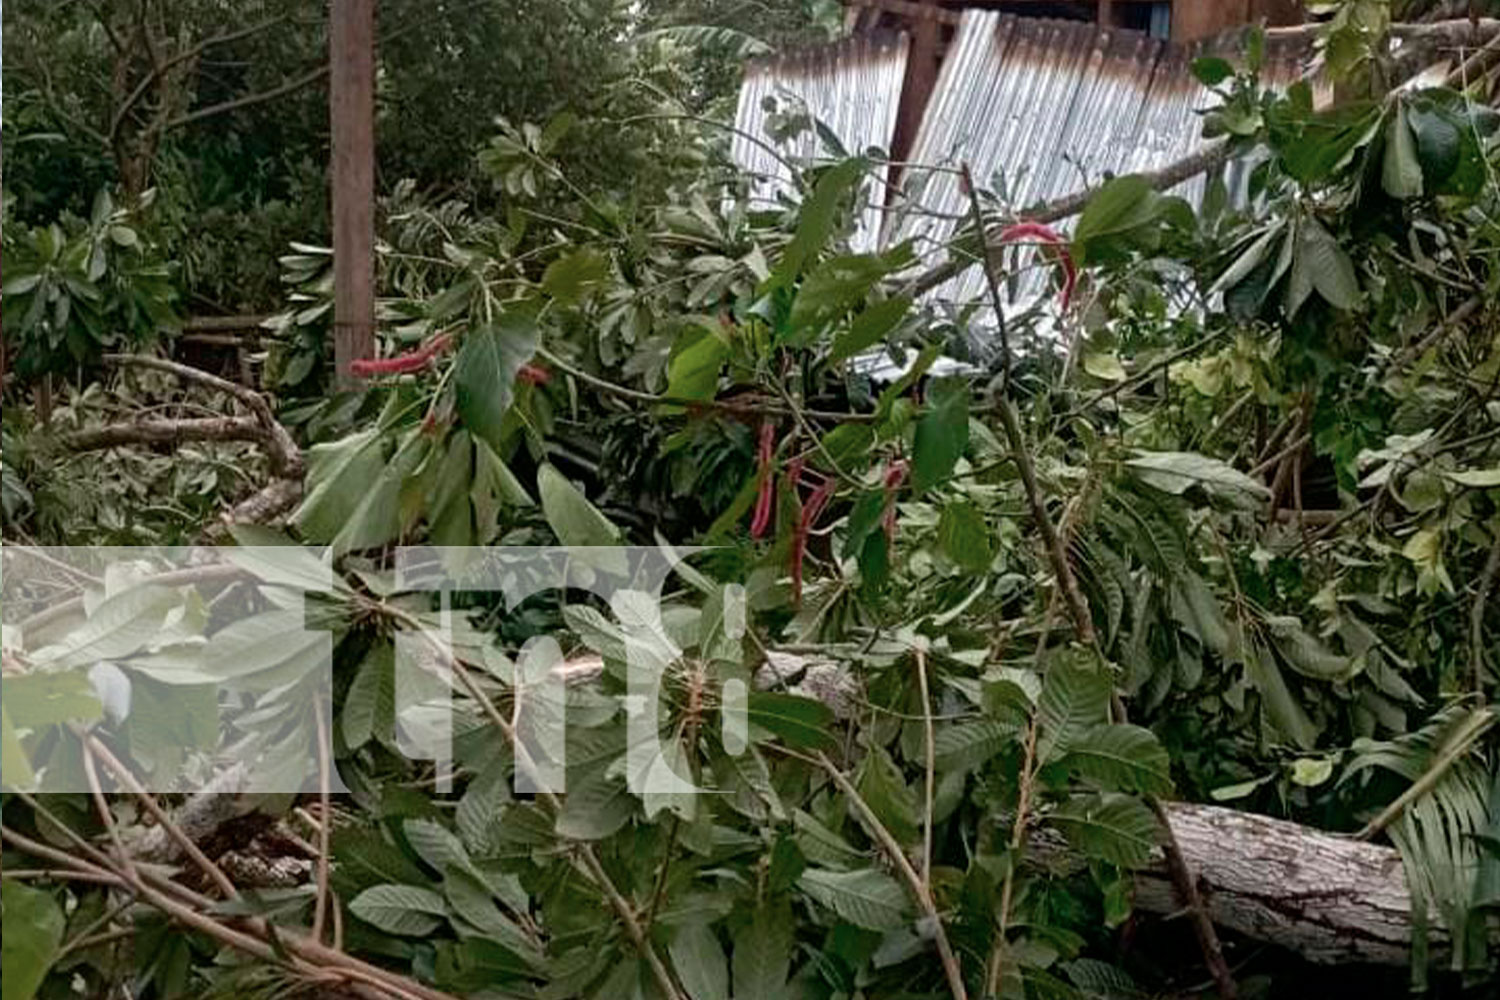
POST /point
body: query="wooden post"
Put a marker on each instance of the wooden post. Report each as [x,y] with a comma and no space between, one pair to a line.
[351,53]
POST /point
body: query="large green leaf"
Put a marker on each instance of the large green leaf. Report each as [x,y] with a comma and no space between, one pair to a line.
[884,789]
[799,722]
[33,932]
[694,370]
[1122,757]
[816,222]
[699,960]
[942,434]
[574,275]
[1320,264]
[866,898]
[870,327]
[484,375]
[118,626]
[45,699]
[967,745]
[1400,171]
[596,807]
[339,475]
[574,520]
[408,910]
[1121,207]
[1115,828]
[1074,700]
[964,536]
[763,954]
[1177,471]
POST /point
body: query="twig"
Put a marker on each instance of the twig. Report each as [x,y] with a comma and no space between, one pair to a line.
[623,910]
[720,405]
[986,250]
[216,573]
[897,856]
[223,107]
[1171,175]
[94,748]
[325,809]
[1473,728]
[1083,624]
[931,769]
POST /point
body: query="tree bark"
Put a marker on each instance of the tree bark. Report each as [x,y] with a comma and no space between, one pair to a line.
[1329,899]
[351,56]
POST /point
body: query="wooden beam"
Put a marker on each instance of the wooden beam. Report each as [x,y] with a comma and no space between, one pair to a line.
[351,54]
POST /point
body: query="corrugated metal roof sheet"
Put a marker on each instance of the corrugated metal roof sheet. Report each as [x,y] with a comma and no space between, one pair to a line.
[1046,108]
[853,87]
[1041,108]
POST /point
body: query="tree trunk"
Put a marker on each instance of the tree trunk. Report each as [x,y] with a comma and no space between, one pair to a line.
[352,112]
[1327,898]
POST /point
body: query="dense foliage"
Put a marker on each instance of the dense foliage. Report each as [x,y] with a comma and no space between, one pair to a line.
[1224,527]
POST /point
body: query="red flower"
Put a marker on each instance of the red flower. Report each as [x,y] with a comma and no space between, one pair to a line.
[411,361]
[761,520]
[1046,234]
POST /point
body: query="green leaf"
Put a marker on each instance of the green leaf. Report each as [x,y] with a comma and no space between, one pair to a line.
[408,910]
[118,627]
[573,276]
[379,518]
[694,370]
[1311,771]
[1477,478]
[39,699]
[1400,172]
[1115,828]
[800,722]
[942,434]
[968,745]
[964,536]
[699,960]
[272,557]
[1122,757]
[15,766]
[1284,711]
[1121,206]
[596,807]
[1176,471]
[763,954]
[1212,70]
[484,376]
[816,221]
[866,898]
[339,475]
[574,520]
[1074,700]
[371,699]
[870,327]
[1321,264]
[881,785]
[33,932]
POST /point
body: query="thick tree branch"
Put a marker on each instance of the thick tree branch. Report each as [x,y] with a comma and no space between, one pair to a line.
[164,432]
[224,107]
[162,69]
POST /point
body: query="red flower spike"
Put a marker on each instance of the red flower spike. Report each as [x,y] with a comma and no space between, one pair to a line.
[895,475]
[401,364]
[810,512]
[765,499]
[1046,234]
[533,374]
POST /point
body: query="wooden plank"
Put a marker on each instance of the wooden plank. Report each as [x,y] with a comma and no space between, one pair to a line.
[352,118]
